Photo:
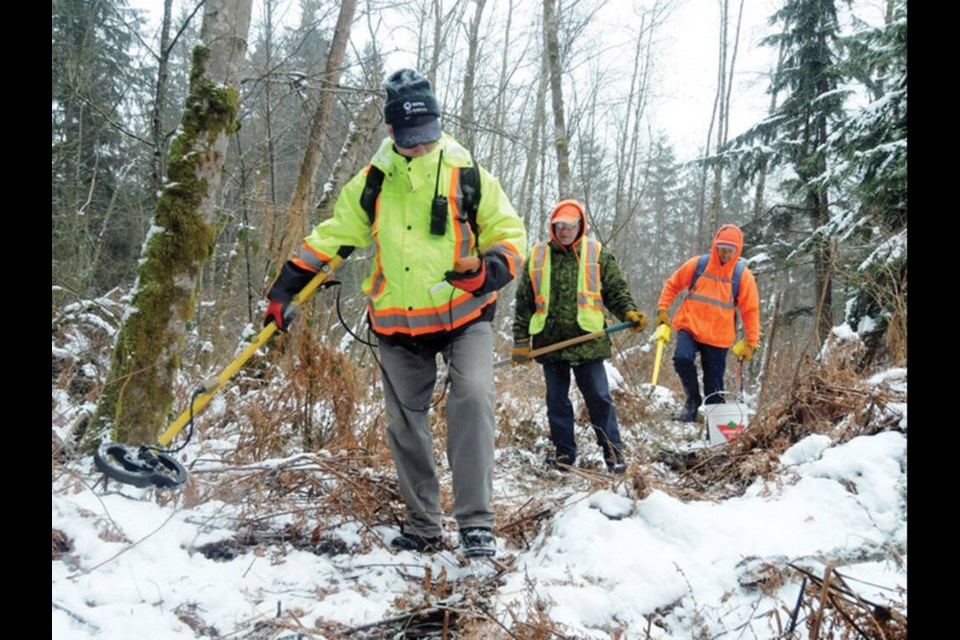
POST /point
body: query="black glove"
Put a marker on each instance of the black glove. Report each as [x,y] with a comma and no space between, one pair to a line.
[291,280]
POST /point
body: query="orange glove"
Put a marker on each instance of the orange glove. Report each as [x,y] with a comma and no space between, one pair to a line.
[470,263]
[662,317]
[468,274]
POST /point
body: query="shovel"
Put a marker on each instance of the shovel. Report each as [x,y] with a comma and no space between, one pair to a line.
[663,337]
[151,464]
[563,344]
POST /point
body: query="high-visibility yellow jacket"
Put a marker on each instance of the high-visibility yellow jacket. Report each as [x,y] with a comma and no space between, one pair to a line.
[406,288]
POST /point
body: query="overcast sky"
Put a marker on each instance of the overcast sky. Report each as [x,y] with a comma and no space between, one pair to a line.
[685,78]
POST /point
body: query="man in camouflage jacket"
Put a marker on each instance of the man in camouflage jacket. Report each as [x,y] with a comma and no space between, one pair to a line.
[570,280]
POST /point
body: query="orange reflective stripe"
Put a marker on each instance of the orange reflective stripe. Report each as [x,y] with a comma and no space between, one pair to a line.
[536,275]
[303,265]
[510,255]
[378,282]
[462,233]
[419,321]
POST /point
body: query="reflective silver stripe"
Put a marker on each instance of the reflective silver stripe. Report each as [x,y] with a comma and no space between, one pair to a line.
[590,300]
[717,278]
[719,303]
[505,252]
[310,258]
[713,301]
[440,319]
[592,267]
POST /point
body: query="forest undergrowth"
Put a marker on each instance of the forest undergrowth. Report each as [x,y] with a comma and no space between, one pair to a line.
[298,439]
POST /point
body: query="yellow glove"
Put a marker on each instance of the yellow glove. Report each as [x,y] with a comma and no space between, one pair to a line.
[636,316]
[662,317]
[743,350]
[520,353]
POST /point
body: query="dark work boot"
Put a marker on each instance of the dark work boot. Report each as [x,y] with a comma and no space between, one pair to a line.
[407,541]
[560,462]
[689,413]
[478,542]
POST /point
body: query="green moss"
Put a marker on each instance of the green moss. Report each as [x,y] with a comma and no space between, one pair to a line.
[137,400]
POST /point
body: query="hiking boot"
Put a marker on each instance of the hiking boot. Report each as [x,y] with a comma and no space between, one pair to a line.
[478,542]
[689,413]
[560,463]
[617,469]
[407,541]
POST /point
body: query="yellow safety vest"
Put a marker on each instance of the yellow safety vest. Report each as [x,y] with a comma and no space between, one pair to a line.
[589,299]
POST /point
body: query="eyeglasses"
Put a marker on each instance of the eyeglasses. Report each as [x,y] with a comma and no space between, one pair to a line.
[567,225]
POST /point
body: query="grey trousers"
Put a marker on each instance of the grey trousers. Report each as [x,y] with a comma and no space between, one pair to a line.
[408,387]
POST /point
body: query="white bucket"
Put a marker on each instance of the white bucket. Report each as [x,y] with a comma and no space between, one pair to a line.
[725,421]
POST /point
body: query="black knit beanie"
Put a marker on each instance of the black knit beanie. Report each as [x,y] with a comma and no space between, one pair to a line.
[409,95]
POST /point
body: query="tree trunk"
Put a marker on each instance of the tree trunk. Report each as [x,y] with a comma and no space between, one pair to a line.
[561,141]
[303,194]
[762,174]
[533,151]
[159,97]
[719,105]
[138,395]
[726,89]
[626,192]
[500,115]
[350,159]
[467,124]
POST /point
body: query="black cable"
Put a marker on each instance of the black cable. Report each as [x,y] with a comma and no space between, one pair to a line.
[372,346]
[196,394]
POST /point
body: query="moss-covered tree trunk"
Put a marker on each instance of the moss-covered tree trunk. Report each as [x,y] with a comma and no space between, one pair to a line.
[136,402]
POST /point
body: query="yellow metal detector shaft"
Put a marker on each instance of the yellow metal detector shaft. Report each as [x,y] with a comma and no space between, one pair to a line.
[663,337]
[201,401]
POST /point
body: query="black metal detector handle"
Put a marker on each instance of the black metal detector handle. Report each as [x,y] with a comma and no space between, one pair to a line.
[150,465]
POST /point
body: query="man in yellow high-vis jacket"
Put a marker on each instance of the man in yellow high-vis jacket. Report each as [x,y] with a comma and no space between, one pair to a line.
[440,259]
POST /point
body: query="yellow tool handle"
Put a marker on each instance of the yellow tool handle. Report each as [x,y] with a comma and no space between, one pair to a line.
[211,387]
[656,364]
[663,337]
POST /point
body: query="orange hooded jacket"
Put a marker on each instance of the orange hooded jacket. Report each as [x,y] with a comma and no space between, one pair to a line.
[711,319]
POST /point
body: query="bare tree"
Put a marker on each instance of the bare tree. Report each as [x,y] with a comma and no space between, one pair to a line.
[467,124]
[561,140]
[296,221]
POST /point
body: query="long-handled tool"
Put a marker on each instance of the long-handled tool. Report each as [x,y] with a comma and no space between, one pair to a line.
[662,336]
[151,464]
[563,344]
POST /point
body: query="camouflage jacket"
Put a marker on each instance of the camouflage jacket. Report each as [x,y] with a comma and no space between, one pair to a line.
[561,321]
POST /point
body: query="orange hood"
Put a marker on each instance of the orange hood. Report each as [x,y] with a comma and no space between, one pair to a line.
[568,210]
[727,234]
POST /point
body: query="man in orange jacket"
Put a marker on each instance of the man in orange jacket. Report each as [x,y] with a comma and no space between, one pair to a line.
[706,322]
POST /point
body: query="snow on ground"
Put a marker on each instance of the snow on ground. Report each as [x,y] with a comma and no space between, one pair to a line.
[604,562]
